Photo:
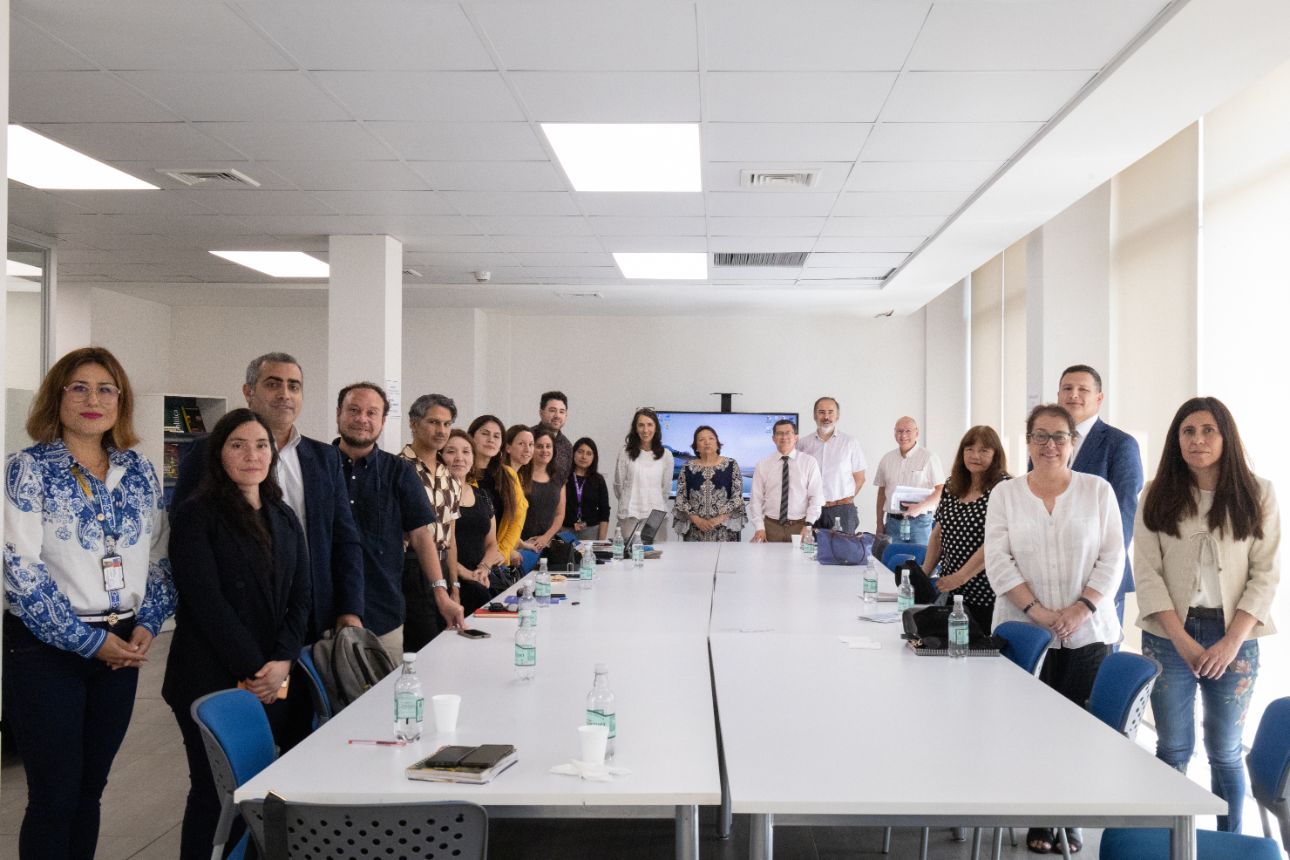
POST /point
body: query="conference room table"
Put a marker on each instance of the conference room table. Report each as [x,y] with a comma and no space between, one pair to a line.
[812,731]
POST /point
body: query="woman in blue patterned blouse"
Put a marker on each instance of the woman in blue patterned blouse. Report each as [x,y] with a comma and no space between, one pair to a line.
[87,586]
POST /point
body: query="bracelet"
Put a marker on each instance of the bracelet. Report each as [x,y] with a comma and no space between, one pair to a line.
[1029,606]
[440,583]
[1092,607]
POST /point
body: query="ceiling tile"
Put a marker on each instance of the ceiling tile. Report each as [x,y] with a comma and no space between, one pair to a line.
[981,96]
[203,225]
[254,201]
[783,142]
[591,34]
[386,202]
[1059,35]
[532,225]
[623,225]
[79,97]
[156,34]
[639,203]
[511,202]
[659,244]
[751,244]
[753,273]
[584,273]
[782,203]
[312,141]
[609,96]
[811,35]
[765,226]
[135,202]
[349,175]
[395,34]
[796,96]
[940,203]
[547,243]
[239,96]
[921,175]
[31,50]
[566,260]
[138,141]
[726,175]
[490,175]
[465,141]
[825,260]
[436,244]
[24,199]
[437,96]
[941,141]
[464,262]
[399,226]
[882,226]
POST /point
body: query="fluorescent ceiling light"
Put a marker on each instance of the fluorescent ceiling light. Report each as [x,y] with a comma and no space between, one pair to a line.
[628,157]
[660,267]
[21,270]
[279,264]
[37,161]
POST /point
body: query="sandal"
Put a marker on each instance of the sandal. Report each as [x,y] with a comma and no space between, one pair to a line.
[1074,838]
[1040,840]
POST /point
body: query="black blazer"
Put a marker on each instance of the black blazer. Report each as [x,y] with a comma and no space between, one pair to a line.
[335,554]
[238,609]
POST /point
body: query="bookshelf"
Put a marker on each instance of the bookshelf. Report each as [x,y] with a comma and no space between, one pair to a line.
[169,422]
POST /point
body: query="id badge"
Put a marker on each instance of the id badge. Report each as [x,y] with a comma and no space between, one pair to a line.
[113,573]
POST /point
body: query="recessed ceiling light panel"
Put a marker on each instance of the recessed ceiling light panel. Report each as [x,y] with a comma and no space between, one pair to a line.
[628,156]
[279,264]
[663,267]
[37,161]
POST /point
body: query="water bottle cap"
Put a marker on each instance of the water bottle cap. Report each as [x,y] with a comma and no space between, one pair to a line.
[409,657]
[602,668]
[958,599]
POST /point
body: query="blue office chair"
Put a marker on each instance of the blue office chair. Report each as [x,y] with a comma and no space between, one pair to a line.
[1122,690]
[1025,644]
[317,690]
[916,551]
[455,829]
[1269,766]
[1152,843]
[239,744]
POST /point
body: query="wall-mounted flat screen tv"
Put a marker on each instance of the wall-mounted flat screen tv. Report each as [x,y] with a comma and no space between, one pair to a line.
[745,436]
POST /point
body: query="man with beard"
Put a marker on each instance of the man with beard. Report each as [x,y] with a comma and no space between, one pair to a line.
[842,466]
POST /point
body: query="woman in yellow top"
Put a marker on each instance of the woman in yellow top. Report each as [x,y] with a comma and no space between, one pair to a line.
[500,482]
[1206,569]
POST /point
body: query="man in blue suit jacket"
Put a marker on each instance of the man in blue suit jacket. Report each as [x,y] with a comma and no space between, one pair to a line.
[1104,451]
[313,485]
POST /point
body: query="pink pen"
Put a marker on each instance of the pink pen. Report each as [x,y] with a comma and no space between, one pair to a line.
[363,743]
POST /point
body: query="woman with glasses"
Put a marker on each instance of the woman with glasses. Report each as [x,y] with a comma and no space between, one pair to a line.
[1206,570]
[643,474]
[88,585]
[1054,553]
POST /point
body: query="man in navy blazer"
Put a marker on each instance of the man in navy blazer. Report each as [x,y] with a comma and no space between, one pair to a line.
[1105,451]
[313,485]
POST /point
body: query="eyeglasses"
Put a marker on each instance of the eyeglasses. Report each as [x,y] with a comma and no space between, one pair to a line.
[81,391]
[1042,438]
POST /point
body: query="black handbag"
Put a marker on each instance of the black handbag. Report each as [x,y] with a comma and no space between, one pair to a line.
[559,554]
[502,577]
[927,630]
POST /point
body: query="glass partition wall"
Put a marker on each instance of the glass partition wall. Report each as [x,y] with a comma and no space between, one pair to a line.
[26,307]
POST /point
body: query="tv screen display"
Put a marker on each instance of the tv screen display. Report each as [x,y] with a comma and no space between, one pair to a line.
[745,436]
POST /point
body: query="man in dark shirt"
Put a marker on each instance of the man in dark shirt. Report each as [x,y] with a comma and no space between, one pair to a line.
[554,409]
[388,503]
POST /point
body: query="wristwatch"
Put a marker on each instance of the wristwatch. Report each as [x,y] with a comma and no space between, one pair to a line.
[440,583]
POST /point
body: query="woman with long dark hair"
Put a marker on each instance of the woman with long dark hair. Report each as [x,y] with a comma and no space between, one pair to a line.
[642,482]
[476,530]
[500,482]
[545,494]
[586,509]
[87,587]
[958,538]
[242,572]
[1206,569]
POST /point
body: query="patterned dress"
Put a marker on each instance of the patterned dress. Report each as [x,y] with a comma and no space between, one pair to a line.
[709,491]
[962,534]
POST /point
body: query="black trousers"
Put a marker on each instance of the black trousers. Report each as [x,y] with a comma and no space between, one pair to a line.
[1070,671]
[69,715]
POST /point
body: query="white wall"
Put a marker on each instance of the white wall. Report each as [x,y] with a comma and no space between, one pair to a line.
[138,333]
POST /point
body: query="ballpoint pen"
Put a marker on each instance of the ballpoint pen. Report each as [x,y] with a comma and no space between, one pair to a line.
[374,743]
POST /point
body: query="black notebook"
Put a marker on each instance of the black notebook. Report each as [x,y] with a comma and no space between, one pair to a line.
[476,765]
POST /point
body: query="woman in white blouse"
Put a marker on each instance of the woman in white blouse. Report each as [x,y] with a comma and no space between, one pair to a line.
[1206,569]
[643,474]
[1054,553]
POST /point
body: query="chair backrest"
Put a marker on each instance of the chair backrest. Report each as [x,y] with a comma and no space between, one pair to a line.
[1122,689]
[1269,758]
[424,831]
[916,551]
[239,742]
[1025,644]
[317,690]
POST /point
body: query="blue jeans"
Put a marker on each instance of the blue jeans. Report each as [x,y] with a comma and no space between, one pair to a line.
[1226,702]
[920,529]
[846,514]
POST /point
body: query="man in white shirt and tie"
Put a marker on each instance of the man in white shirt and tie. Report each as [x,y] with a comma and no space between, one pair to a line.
[786,490]
[908,465]
[842,466]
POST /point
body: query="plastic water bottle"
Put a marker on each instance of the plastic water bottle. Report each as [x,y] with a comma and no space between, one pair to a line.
[600,707]
[905,595]
[638,554]
[808,545]
[618,544]
[587,573]
[958,629]
[526,641]
[905,534]
[870,581]
[543,584]
[409,704]
[528,607]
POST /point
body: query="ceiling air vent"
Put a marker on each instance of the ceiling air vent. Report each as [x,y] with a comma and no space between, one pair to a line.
[780,260]
[211,178]
[773,179]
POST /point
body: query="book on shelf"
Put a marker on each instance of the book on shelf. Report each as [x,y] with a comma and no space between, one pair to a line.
[475,765]
[170,461]
[192,416]
[174,418]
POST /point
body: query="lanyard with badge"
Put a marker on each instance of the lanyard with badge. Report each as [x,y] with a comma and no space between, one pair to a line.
[111,563]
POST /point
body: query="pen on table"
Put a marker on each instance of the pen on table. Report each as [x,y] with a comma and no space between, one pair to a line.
[359,742]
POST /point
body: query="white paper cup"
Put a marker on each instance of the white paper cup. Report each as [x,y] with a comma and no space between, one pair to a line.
[594,739]
[446,706]
[797,541]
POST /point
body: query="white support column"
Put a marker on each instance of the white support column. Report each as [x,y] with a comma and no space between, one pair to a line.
[365,323]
